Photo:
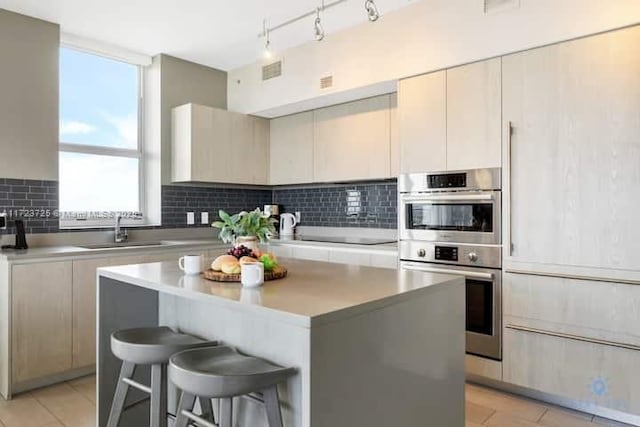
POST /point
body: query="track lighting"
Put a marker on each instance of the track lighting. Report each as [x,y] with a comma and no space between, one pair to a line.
[372,10]
[267,45]
[317,26]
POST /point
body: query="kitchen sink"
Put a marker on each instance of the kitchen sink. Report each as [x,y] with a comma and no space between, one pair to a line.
[123,245]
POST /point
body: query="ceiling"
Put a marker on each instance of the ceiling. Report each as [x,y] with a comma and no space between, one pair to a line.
[217,33]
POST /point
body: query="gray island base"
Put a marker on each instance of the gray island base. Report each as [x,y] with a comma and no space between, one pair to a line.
[373,347]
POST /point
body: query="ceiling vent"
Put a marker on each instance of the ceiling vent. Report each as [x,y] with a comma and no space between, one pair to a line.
[271,71]
[326,82]
[495,6]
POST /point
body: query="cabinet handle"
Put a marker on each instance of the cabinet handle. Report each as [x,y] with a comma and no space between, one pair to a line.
[510,181]
[573,337]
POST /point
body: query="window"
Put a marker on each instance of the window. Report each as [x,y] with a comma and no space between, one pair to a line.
[100,144]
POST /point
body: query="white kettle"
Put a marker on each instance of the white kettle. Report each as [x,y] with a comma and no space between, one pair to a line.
[287,224]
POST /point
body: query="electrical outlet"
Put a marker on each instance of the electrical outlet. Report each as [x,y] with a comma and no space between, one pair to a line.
[191,218]
[204,218]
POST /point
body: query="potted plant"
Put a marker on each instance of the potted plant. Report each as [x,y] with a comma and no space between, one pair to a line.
[245,228]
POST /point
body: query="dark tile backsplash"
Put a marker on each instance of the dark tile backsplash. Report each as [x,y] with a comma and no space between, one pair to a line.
[34,201]
[177,200]
[371,204]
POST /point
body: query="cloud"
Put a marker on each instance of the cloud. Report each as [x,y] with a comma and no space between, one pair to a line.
[71,127]
[127,128]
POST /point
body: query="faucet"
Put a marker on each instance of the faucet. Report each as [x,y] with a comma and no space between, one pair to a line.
[121,234]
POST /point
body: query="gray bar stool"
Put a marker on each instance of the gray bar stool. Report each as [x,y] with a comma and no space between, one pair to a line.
[222,373]
[149,346]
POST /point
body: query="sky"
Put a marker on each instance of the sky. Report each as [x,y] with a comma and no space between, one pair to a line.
[98,107]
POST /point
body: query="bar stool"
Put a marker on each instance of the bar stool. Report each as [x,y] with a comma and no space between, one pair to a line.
[149,346]
[222,373]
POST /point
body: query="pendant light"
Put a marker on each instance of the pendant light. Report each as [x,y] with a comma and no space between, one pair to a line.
[268,54]
[317,26]
[372,10]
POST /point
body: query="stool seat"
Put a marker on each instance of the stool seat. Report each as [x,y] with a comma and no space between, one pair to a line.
[223,372]
[147,346]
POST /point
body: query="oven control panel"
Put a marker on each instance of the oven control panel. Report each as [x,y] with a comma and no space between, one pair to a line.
[449,180]
[489,256]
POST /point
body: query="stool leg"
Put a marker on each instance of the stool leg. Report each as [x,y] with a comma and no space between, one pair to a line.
[126,371]
[226,412]
[207,409]
[158,412]
[185,404]
[272,404]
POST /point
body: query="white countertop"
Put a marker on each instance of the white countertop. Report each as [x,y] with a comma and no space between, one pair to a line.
[313,292]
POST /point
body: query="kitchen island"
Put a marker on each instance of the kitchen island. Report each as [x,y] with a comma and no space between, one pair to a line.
[372,346]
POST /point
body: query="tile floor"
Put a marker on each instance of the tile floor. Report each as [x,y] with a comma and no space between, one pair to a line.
[72,404]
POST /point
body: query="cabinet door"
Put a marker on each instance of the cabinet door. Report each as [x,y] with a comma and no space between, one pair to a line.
[474,115]
[574,178]
[352,141]
[292,149]
[211,147]
[393,131]
[41,320]
[259,152]
[422,123]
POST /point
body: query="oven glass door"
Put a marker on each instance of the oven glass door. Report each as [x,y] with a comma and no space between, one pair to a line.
[480,306]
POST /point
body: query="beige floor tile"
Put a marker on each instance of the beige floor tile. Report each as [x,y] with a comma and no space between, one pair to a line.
[85,386]
[24,411]
[471,424]
[505,419]
[68,405]
[506,403]
[476,413]
[564,418]
[610,423]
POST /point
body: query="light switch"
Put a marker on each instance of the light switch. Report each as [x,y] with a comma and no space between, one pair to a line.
[204,218]
[191,218]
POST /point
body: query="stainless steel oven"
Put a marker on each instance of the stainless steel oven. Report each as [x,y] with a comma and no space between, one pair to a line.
[450,222]
[481,267]
[461,207]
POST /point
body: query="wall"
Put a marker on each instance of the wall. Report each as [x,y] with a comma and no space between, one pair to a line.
[28,97]
[182,82]
[424,36]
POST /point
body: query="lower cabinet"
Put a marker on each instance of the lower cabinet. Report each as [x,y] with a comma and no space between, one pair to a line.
[589,373]
[371,258]
[41,317]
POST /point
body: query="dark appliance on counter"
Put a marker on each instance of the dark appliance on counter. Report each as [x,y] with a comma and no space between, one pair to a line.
[450,223]
[21,237]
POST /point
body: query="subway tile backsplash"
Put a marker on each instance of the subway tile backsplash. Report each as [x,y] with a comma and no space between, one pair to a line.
[369,204]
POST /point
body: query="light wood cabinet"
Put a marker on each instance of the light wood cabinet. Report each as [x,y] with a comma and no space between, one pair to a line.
[474,116]
[292,149]
[41,320]
[219,146]
[352,141]
[572,179]
[422,123]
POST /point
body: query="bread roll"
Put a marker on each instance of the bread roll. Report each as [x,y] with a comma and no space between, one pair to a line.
[216,265]
[248,260]
[231,267]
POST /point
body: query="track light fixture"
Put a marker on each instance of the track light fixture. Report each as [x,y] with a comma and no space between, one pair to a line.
[372,10]
[267,44]
[317,26]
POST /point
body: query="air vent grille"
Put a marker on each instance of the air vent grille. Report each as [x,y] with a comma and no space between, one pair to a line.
[271,71]
[495,6]
[326,82]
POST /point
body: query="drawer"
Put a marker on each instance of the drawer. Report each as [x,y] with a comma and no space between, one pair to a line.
[482,367]
[310,253]
[280,251]
[384,260]
[349,257]
[595,309]
[589,373]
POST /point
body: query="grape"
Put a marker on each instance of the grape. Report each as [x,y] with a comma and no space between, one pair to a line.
[240,251]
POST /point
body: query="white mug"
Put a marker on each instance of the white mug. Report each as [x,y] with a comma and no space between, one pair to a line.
[252,274]
[191,264]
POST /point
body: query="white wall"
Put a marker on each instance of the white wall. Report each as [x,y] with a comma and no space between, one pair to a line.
[425,36]
[28,97]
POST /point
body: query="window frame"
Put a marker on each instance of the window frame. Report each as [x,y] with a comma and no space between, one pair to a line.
[67,222]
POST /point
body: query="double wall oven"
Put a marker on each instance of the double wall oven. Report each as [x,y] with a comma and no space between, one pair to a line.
[450,223]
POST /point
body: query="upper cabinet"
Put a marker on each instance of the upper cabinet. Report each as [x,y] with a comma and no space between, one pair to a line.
[451,120]
[474,116]
[422,123]
[573,177]
[292,149]
[352,141]
[214,145]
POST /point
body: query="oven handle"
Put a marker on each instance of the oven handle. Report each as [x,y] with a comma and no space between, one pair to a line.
[466,273]
[454,198]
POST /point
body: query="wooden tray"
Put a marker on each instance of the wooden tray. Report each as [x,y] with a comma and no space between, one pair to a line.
[218,276]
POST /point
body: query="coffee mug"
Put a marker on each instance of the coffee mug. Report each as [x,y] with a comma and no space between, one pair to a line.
[252,274]
[191,264]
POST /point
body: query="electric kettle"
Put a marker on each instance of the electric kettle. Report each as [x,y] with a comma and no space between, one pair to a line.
[287,224]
